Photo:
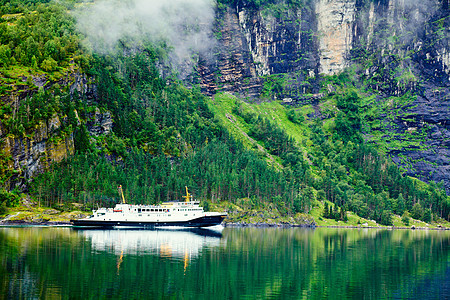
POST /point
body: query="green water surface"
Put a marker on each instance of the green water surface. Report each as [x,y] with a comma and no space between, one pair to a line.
[233,263]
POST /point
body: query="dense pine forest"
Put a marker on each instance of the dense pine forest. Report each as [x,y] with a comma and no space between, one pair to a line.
[166,134]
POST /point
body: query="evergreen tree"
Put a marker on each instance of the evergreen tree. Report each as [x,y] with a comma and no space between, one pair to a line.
[427,215]
[405,218]
[336,214]
[344,215]
[81,139]
[401,204]
[386,218]
[326,212]
[417,211]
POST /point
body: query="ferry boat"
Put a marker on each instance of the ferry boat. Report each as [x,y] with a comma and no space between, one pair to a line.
[185,214]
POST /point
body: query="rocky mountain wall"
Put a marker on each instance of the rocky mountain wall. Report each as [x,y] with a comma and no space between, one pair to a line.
[395,46]
[258,43]
[320,37]
[335,21]
[44,144]
[33,154]
[408,42]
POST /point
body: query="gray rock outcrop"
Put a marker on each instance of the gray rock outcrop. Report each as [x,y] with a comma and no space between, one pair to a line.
[406,42]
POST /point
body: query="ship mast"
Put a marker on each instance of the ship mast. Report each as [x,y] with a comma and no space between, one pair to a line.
[188,196]
[121,194]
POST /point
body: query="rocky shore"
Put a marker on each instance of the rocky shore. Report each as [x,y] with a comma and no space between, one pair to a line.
[34,223]
[13,223]
[262,224]
[288,225]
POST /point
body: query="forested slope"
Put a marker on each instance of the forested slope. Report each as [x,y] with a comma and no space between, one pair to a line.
[124,119]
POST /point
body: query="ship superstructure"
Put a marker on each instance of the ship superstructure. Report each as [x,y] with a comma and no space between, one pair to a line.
[188,213]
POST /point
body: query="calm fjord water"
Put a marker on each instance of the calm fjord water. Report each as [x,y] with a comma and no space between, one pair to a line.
[236,263]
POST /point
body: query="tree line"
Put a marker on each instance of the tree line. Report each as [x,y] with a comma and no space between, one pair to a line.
[165,137]
[39,36]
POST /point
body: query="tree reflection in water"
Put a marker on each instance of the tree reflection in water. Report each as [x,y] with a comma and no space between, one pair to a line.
[234,263]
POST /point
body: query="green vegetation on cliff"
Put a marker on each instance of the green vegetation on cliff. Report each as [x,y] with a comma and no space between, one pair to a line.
[38,42]
[40,54]
[340,167]
[166,136]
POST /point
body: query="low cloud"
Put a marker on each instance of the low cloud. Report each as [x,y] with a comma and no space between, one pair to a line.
[185,25]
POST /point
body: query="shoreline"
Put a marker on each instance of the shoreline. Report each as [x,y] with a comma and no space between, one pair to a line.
[22,223]
[387,227]
[9,223]
[283,225]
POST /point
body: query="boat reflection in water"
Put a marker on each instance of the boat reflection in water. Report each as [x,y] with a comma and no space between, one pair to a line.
[169,243]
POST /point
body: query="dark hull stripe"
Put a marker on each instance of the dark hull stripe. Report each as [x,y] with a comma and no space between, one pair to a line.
[198,222]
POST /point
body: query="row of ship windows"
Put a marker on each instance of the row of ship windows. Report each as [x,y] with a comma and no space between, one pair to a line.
[140,215]
[151,209]
[165,210]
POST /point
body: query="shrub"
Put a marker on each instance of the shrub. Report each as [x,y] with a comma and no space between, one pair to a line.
[405,218]
[8,198]
[49,65]
[205,205]
[3,209]
[295,117]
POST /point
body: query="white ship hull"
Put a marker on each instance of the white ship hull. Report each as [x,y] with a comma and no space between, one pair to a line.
[205,221]
[184,214]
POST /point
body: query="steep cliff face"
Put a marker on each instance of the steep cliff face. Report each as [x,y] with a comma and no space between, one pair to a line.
[325,37]
[408,43]
[395,46]
[274,45]
[233,69]
[335,21]
[254,44]
[37,148]
[99,123]
[33,154]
